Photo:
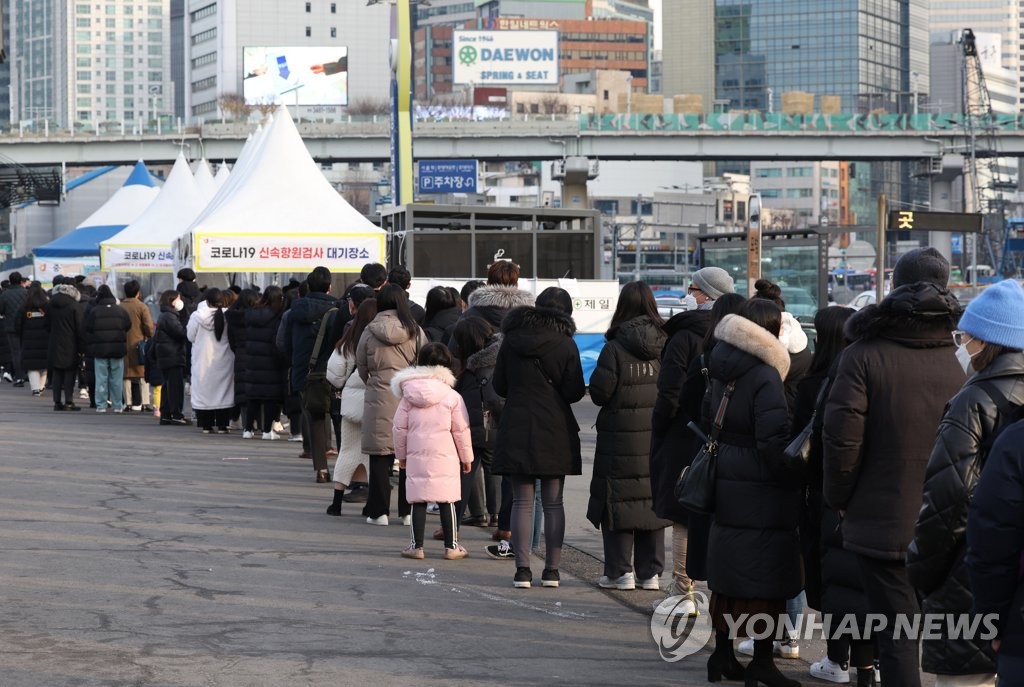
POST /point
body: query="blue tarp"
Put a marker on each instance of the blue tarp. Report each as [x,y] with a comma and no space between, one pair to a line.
[84,241]
[590,346]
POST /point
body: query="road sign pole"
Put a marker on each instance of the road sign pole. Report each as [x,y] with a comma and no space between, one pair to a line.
[883,215]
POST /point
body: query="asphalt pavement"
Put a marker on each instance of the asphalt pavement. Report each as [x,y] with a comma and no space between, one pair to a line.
[138,554]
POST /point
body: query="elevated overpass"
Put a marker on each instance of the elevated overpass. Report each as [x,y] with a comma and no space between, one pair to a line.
[540,137]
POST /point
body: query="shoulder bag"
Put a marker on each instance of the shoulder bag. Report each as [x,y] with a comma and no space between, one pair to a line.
[800,447]
[318,392]
[695,488]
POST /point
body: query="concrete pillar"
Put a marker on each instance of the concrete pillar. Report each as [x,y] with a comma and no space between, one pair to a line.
[942,195]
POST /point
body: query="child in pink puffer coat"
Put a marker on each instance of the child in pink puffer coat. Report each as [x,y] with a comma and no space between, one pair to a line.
[432,439]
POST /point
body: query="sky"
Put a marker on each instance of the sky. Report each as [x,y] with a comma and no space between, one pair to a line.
[656,5]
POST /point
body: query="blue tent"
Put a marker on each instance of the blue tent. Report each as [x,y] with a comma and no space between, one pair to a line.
[123,208]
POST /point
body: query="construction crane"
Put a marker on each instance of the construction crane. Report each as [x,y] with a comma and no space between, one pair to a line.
[984,182]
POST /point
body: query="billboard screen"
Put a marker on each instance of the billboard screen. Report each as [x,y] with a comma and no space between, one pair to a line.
[486,58]
[312,75]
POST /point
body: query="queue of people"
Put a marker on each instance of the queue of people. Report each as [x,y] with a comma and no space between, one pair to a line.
[905,501]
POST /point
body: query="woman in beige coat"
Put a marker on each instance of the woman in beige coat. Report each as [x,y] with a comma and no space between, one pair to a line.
[142,329]
[352,463]
[389,344]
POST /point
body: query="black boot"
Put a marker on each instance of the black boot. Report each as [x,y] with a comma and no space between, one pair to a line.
[763,670]
[722,663]
[335,507]
[866,677]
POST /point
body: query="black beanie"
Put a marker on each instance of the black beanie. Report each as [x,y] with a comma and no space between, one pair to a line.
[921,264]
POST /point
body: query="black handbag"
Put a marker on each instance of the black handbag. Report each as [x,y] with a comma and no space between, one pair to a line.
[800,447]
[318,392]
[695,488]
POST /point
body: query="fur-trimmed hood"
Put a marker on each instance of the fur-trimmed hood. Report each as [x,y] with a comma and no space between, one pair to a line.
[919,315]
[752,339]
[536,332]
[67,290]
[499,296]
[423,386]
[488,355]
[640,336]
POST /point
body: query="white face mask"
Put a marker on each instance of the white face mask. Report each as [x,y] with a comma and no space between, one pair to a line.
[179,305]
[964,357]
[689,302]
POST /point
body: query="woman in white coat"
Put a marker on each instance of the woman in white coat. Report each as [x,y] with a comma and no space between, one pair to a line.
[213,365]
[351,464]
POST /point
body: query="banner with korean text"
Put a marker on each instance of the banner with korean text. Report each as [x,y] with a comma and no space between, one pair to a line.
[138,259]
[286,252]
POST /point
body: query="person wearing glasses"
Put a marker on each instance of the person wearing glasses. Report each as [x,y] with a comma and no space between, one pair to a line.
[989,347]
[889,394]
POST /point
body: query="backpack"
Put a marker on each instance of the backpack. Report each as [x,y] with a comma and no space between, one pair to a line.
[1009,413]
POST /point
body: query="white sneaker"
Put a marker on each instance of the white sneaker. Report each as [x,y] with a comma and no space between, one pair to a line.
[382,520]
[686,607]
[826,669]
[270,436]
[746,647]
[247,434]
[137,409]
[10,380]
[624,583]
[277,427]
[787,649]
[295,437]
[407,520]
[652,584]
[82,393]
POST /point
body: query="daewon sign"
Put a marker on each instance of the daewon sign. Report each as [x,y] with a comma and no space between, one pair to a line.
[911,220]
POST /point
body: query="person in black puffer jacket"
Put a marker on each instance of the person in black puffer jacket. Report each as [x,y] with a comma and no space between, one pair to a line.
[66,321]
[539,373]
[33,336]
[479,344]
[169,344]
[887,398]
[106,340]
[624,385]
[266,380]
[991,346]
[12,300]
[754,549]
[672,443]
[237,336]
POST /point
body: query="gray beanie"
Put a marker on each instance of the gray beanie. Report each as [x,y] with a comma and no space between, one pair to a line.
[714,281]
[921,264]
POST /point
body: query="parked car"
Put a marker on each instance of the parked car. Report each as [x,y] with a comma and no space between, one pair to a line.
[799,301]
[863,298]
[670,305]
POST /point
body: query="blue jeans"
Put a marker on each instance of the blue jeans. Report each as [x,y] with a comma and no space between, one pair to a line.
[109,382]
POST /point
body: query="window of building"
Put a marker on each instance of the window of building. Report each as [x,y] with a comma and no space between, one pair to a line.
[111,23]
[309,32]
[83,22]
[204,108]
[156,77]
[156,11]
[83,116]
[82,36]
[83,49]
[129,116]
[111,76]
[768,172]
[309,7]
[799,193]
[800,171]
[771,193]
[83,61]
[129,89]
[208,58]
[334,32]
[83,89]
[83,76]
[334,8]
[83,9]
[204,84]
[156,50]
[84,102]
[203,12]
[110,9]
[209,35]
[155,24]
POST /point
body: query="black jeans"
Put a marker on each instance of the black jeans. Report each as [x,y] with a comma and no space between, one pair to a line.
[505,511]
[319,437]
[262,414]
[219,418]
[378,496]
[890,593]
[172,396]
[468,479]
[646,548]
[64,381]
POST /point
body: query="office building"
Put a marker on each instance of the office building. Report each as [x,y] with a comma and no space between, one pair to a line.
[239,48]
[799,194]
[88,64]
[1001,17]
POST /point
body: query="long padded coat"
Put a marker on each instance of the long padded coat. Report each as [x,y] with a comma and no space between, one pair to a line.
[624,384]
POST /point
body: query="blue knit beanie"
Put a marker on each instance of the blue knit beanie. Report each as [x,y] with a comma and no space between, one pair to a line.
[997,315]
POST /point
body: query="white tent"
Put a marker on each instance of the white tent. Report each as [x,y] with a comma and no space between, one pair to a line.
[205,182]
[145,244]
[77,252]
[222,174]
[278,213]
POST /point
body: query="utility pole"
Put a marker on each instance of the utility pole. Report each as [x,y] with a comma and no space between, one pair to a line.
[637,228]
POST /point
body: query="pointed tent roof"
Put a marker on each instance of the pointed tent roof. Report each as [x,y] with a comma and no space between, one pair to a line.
[249,153]
[264,219]
[123,208]
[205,183]
[145,244]
[222,174]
